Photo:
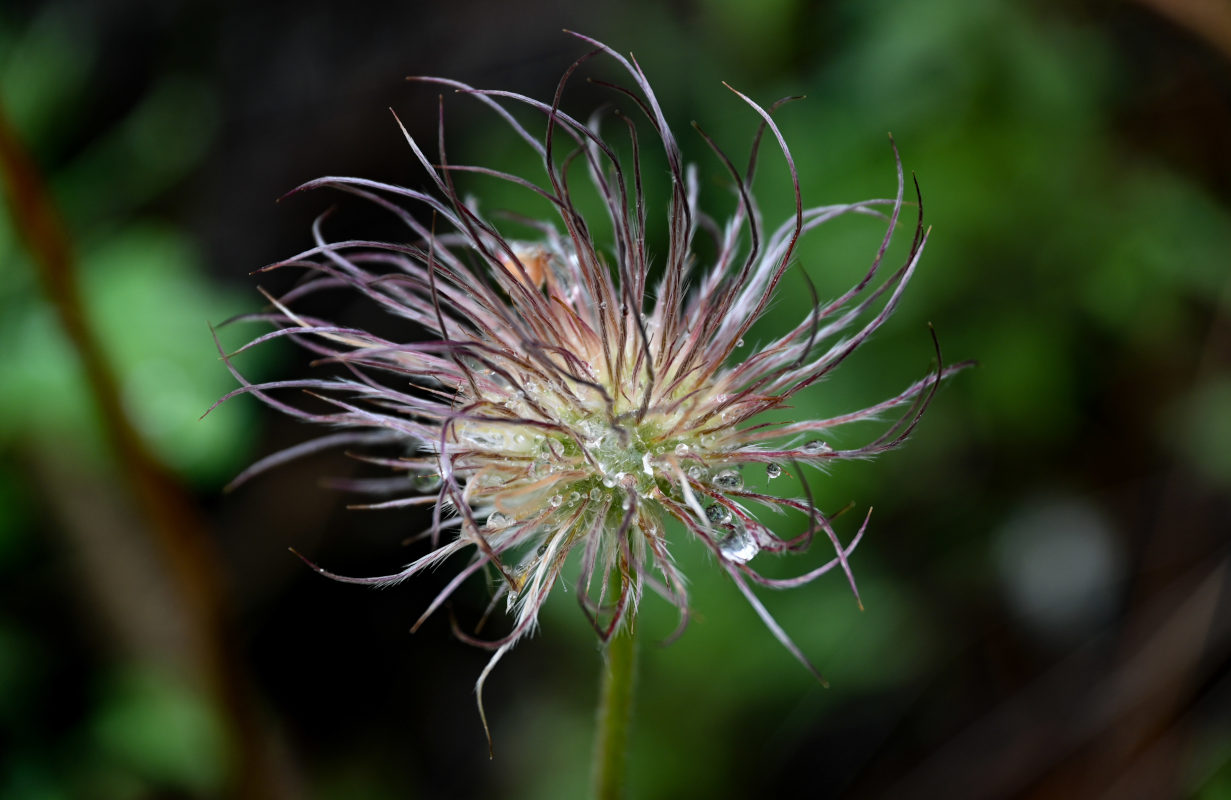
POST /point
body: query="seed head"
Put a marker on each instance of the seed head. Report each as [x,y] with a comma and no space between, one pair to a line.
[564,401]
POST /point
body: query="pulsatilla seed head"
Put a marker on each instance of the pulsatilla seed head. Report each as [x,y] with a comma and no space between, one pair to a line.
[561,402]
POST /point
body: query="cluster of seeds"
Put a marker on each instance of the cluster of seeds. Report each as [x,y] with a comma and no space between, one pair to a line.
[560,403]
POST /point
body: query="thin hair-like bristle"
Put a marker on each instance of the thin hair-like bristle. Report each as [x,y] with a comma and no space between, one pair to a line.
[566,396]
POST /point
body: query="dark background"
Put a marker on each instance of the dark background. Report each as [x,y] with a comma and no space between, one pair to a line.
[1046,572]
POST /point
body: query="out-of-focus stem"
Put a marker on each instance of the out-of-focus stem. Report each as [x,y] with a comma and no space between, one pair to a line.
[1206,19]
[181,538]
[614,714]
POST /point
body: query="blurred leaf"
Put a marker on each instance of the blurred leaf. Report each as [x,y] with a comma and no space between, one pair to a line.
[1201,428]
[151,310]
[30,781]
[1166,240]
[161,729]
[1214,767]
[904,61]
[758,33]
[42,68]
[143,156]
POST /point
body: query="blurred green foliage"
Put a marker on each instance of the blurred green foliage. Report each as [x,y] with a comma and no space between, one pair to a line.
[1056,252]
[149,302]
[141,279]
[152,726]
[1077,268]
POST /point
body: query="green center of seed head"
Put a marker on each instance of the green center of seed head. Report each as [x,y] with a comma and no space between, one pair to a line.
[622,453]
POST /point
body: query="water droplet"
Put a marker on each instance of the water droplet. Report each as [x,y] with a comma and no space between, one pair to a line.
[497,521]
[816,446]
[695,473]
[739,342]
[729,480]
[608,481]
[573,497]
[681,449]
[426,482]
[542,549]
[717,513]
[596,493]
[772,471]
[556,501]
[738,545]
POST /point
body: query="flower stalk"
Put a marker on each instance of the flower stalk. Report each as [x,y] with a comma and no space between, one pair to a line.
[615,711]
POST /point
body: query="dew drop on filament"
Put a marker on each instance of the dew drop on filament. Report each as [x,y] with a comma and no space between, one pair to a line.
[426,482]
[729,480]
[739,546]
[497,521]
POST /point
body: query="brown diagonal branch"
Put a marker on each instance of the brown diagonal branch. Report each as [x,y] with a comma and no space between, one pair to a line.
[1206,19]
[180,537]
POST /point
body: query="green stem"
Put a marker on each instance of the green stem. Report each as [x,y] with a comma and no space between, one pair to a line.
[614,713]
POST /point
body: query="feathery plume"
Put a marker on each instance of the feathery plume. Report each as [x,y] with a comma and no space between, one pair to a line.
[559,402]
